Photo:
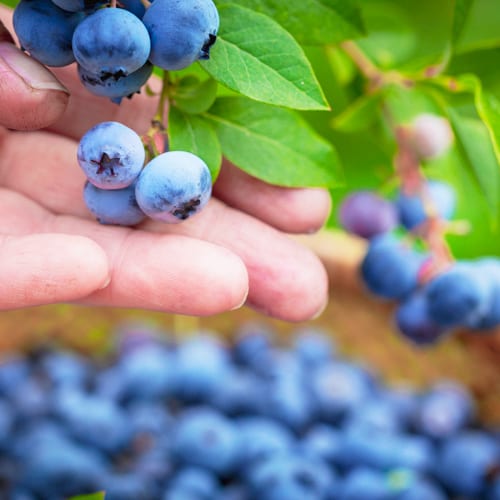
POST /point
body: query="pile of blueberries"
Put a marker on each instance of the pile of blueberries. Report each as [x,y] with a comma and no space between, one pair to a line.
[463,294]
[115,50]
[200,419]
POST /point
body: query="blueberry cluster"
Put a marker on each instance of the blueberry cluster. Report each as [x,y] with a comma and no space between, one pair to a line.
[116,48]
[121,190]
[432,302]
[203,420]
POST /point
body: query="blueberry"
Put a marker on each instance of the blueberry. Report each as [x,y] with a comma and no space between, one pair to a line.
[322,441]
[46,31]
[313,347]
[375,415]
[412,211]
[414,322]
[111,155]
[135,6]
[444,410]
[125,486]
[366,214]
[113,206]
[201,367]
[489,270]
[421,488]
[259,438]
[181,32]
[458,296]
[62,469]
[292,477]
[93,420]
[116,88]
[338,388]
[111,43]
[200,483]
[78,5]
[147,373]
[465,461]
[390,269]
[174,186]
[362,483]
[205,438]
[65,369]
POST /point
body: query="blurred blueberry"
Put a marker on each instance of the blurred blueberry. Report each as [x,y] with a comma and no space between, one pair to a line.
[252,345]
[150,418]
[32,399]
[382,450]
[202,366]
[411,209]
[7,419]
[148,372]
[199,482]
[240,394]
[444,410]
[205,438]
[403,399]
[62,469]
[65,368]
[465,460]
[13,371]
[363,483]
[322,441]
[292,477]
[313,347]
[420,489]
[390,268]
[367,214]
[97,421]
[489,269]
[154,465]
[337,388]
[259,438]
[134,336]
[458,296]
[126,486]
[375,415]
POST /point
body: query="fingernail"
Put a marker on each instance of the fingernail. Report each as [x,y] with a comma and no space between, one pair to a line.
[242,303]
[34,74]
[106,283]
[321,310]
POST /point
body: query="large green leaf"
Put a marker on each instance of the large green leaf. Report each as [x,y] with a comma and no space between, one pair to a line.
[313,22]
[258,58]
[192,133]
[273,144]
[478,154]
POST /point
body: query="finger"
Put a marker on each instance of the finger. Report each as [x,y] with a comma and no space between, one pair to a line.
[30,95]
[48,268]
[287,209]
[149,271]
[286,280]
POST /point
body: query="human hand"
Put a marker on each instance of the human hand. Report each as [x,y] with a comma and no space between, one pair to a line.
[51,250]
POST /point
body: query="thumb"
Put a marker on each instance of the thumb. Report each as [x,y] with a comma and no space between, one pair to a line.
[49,268]
[30,95]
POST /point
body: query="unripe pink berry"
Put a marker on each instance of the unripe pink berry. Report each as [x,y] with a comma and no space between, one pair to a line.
[431,136]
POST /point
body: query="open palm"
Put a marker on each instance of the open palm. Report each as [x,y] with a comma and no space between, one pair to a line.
[51,250]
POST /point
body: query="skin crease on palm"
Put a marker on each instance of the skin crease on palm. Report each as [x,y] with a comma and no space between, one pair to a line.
[235,251]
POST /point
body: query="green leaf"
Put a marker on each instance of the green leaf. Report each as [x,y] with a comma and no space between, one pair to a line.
[359,115]
[313,22]
[192,133]
[478,154]
[194,96]
[100,495]
[460,15]
[487,105]
[256,57]
[273,144]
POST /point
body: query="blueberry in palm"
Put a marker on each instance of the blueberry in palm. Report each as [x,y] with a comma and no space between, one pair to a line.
[111,155]
[173,186]
[113,206]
